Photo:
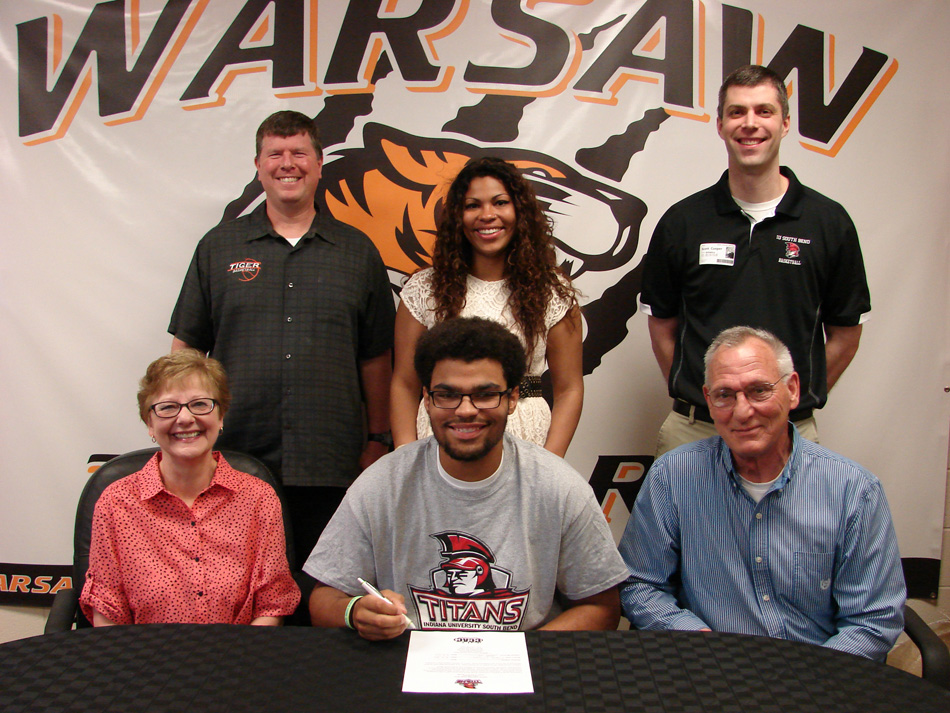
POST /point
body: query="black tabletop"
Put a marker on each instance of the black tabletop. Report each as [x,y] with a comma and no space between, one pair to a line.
[184,668]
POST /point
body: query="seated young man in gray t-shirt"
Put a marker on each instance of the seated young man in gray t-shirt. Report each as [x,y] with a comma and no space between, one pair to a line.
[470,528]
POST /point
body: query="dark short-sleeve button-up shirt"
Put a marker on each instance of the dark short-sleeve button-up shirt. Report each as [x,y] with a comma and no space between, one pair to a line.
[291,325]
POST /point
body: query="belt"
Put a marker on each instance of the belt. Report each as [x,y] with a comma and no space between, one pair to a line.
[529,386]
[696,413]
[701,413]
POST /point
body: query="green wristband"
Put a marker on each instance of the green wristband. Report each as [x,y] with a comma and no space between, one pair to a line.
[349,611]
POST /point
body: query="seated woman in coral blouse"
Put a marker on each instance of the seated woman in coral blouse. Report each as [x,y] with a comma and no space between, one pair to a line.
[187,538]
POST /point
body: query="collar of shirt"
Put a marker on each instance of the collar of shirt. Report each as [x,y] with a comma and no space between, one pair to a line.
[151,483]
[790,205]
[788,472]
[507,470]
[469,485]
[258,219]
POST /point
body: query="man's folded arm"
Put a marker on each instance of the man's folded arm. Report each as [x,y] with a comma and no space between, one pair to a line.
[649,606]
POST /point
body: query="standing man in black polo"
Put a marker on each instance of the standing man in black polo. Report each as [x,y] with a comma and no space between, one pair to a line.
[758,248]
[298,308]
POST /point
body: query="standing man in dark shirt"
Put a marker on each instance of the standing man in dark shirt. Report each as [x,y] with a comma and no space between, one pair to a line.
[760,249]
[298,308]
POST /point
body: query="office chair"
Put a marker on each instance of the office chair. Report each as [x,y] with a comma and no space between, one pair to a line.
[934,655]
[65,611]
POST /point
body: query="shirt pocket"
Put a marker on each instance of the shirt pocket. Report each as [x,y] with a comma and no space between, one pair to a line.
[813,580]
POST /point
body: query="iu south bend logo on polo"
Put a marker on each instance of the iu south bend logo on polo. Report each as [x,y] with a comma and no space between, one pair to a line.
[793,249]
[245,270]
[468,591]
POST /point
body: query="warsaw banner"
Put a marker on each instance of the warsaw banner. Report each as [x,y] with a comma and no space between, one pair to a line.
[128,131]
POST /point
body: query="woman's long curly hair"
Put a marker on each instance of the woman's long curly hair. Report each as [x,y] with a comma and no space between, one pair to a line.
[531,271]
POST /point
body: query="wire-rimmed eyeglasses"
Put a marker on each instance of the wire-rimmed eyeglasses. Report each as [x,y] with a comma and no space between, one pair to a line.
[755,393]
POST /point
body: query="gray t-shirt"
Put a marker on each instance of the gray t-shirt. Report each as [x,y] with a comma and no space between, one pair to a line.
[486,558]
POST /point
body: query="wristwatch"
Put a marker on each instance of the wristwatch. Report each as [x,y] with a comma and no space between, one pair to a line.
[386,438]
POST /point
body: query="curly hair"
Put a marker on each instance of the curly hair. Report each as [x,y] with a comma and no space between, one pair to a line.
[470,339]
[531,271]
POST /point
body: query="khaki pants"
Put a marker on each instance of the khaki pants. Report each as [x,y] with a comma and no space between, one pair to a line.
[678,430]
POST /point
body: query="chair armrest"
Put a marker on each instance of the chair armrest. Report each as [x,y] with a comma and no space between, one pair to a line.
[306,583]
[934,655]
[62,615]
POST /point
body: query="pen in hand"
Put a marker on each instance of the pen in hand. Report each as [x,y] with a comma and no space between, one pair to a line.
[373,592]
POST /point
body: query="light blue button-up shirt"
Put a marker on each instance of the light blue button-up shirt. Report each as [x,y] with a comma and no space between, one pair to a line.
[816,560]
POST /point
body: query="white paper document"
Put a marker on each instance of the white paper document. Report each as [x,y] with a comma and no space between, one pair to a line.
[467,662]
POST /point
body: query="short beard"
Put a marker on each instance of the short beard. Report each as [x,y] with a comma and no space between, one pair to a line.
[469,456]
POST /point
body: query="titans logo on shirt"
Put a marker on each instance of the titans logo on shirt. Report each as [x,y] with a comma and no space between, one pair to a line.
[467,590]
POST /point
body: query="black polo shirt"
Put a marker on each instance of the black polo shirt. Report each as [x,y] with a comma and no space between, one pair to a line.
[291,325]
[799,270]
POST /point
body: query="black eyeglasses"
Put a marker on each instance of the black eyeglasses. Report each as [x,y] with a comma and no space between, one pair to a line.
[757,393]
[479,399]
[170,409]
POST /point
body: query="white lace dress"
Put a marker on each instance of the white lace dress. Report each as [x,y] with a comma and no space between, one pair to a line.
[532,417]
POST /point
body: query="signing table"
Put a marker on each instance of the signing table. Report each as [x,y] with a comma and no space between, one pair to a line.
[230,669]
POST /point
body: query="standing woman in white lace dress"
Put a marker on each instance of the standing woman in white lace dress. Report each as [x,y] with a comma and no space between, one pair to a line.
[494,258]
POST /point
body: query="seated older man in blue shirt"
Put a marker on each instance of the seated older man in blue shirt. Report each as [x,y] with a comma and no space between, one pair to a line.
[759,531]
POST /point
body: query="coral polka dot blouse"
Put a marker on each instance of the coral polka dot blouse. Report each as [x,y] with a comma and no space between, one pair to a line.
[223,560]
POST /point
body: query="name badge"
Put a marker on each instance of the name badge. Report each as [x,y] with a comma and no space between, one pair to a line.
[717,254]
